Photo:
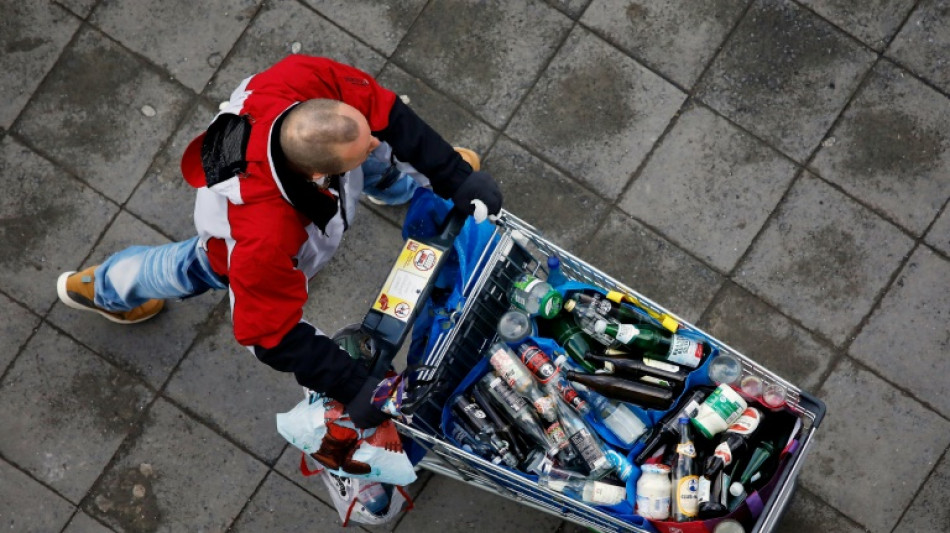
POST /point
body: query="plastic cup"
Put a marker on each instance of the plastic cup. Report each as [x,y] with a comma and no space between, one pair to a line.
[751,386]
[725,368]
[514,325]
[773,395]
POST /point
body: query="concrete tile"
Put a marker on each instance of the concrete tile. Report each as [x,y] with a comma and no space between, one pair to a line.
[536,192]
[907,336]
[344,290]
[753,328]
[677,38]
[808,513]
[188,39]
[176,475]
[87,115]
[33,255]
[572,8]
[17,326]
[923,41]
[650,265]
[149,349]
[874,23]
[449,505]
[271,36]
[869,424]
[890,148]
[80,7]
[939,234]
[785,74]
[710,187]
[484,54]
[32,36]
[255,391]
[65,412]
[930,512]
[279,505]
[28,507]
[823,259]
[381,25]
[82,523]
[164,199]
[595,112]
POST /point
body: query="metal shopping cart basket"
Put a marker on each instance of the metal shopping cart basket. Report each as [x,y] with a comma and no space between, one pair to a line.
[517,248]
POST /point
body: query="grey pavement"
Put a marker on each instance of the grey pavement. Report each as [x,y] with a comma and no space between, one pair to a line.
[775,171]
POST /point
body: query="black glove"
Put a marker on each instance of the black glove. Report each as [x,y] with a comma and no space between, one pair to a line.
[478,186]
[361,409]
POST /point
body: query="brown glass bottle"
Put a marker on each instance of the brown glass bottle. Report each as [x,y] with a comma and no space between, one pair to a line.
[640,367]
[624,390]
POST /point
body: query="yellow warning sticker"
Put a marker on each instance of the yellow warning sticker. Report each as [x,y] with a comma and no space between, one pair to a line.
[407,280]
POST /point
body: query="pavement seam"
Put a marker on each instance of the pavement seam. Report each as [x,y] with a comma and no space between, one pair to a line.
[946,453]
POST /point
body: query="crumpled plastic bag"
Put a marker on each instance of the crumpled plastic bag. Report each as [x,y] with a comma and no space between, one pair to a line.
[320,428]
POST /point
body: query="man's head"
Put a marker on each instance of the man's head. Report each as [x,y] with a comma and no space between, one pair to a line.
[322,137]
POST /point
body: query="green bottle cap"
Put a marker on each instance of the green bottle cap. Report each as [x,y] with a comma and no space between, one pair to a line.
[550,304]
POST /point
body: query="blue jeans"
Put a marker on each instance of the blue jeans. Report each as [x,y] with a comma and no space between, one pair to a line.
[137,274]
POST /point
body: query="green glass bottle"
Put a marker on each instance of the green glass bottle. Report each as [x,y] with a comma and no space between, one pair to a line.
[571,337]
[656,342]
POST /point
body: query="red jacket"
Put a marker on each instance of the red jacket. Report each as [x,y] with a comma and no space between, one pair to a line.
[256,228]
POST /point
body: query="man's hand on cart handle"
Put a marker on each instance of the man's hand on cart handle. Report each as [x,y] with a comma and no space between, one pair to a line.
[478,188]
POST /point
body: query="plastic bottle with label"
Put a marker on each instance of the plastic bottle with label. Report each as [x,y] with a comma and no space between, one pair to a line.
[654,490]
[535,296]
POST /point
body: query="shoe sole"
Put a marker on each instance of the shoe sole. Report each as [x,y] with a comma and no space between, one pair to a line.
[66,299]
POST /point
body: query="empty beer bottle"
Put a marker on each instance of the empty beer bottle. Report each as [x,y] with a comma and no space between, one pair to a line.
[608,310]
[735,440]
[586,316]
[624,390]
[563,330]
[644,369]
[655,342]
[685,497]
[666,432]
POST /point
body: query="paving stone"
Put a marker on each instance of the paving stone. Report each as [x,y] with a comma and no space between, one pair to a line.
[225,385]
[87,115]
[79,7]
[381,25]
[279,505]
[639,258]
[784,74]
[176,475]
[542,196]
[273,34]
[28,507]
[930,511]
[572,8]
[484,54]
[923,42]
[33,254]
[891,150]
[710,187]
[16,327]
[188,39]
[908,336]
[449,505]
[82,523]
[677,38]
[65,412]
[754,329]
[164,199]
[808,513]
[595,112]
[32,36]
[150,349]
[874,23]
[874,441]
[823,259]
[939,234]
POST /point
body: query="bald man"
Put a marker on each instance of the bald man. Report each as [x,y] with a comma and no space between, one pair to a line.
[278,174]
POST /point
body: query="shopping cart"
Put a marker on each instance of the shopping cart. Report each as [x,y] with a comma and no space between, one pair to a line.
[516,248]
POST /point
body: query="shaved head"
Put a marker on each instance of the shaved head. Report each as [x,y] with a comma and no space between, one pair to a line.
[318,135]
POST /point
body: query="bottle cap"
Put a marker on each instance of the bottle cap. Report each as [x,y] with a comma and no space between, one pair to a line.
[736,489]
[655,468]
[550,304]
[569,305]
[553,262]
[683,420]
[600,325]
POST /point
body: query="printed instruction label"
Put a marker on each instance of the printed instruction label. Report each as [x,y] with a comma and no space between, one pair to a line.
[407,280]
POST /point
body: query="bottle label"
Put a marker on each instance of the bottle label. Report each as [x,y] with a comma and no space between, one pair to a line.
[622,466]
[606,494]
[724,452]
[545,406]
[538,362]
[569,394]
[660,365]
[726,403]
[556,434]
[584,443]
[704,489]
[507,369]
[521,289]
[514,400]
[687,496]
[686,449]
[685,351]
[626,333]
[747,422]
[655,381]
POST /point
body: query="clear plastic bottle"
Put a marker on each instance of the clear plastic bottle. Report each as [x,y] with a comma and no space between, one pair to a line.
[373,496]
[535,296]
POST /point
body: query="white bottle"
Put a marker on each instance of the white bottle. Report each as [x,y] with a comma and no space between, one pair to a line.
[589,491]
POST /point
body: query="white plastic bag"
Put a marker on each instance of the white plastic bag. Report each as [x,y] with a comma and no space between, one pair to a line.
[373,454]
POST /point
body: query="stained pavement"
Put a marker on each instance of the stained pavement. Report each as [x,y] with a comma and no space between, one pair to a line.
[776,172]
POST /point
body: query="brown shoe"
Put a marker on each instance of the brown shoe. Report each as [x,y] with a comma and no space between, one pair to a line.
[470,157]
[76,289]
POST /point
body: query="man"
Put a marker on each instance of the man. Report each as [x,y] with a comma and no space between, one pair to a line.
[278,174]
